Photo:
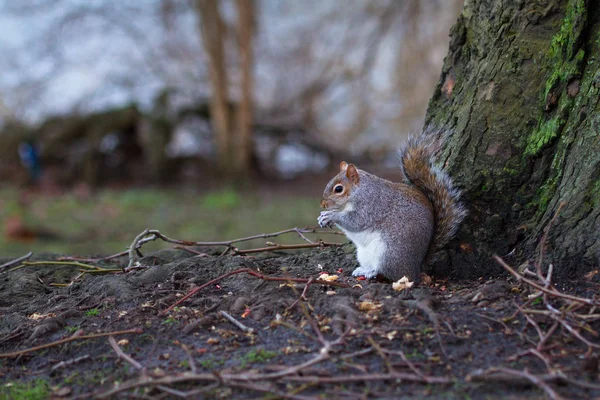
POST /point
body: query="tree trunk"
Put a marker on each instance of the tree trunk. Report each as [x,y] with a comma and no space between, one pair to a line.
[519,89]
[244,111]
[211,26]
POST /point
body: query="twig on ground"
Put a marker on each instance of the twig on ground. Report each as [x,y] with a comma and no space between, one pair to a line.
[507,330]
[150,235]
[433,317]
[406,361]
[15,261]
[256,275]
[560,310]
[121,354]
[67,340]
[64,364]
[358,353]
[237,323]
[85,267]
[574,332]
[381,353]
[275,247]
[302,296]
[536,353]
[550,291]
[107,258]
[508,374]
[402,376]
[190,357]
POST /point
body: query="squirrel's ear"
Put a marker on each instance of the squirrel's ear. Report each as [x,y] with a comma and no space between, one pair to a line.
[343,166]
[352,174]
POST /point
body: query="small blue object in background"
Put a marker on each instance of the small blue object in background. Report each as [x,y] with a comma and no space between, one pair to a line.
[29,156]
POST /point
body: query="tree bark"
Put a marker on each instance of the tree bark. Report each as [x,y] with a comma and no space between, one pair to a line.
[211,27]
[233,137]
[519,89]
[243,140]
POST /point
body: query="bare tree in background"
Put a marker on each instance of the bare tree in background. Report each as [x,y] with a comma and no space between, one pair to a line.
[232,125]
[349,79]
[246,25]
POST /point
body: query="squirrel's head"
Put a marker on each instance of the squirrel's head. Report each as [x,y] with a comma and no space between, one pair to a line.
[338,190]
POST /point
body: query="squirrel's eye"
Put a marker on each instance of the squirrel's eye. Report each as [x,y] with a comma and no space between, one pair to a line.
[338,189]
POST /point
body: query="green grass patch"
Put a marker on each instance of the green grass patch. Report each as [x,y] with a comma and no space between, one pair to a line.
[92,312]
[38,389]
[257,356]
[211,363]
[108,221]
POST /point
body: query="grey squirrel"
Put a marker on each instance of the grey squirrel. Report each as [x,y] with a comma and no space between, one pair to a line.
[395,225]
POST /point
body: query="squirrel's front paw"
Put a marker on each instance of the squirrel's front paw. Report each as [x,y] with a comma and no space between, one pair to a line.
[326,218]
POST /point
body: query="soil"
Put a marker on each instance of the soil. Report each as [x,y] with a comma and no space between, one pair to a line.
[438,340]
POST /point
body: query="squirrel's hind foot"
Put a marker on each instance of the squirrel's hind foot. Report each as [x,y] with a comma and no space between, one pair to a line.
[366,272]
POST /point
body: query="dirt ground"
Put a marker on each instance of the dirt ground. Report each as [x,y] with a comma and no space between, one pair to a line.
[442,339]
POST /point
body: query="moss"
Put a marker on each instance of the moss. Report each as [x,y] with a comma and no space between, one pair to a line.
[544,134]
[564,62]
[544,195]
[546,192]
[564,71]
[564,43]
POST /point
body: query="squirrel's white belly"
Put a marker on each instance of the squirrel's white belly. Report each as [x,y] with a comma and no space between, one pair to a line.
[370,249]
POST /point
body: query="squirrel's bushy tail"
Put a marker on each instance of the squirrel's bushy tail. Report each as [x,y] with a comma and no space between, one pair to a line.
[416,162]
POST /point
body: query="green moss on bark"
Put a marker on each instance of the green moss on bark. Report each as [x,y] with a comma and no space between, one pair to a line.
[564,61]
[544,134]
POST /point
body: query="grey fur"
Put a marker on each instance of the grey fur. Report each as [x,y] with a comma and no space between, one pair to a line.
[411,217]
[406,225]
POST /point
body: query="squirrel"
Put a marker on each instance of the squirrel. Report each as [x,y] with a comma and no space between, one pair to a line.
[395,226]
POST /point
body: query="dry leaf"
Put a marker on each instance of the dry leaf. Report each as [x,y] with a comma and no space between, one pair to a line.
[123,342]
[368,305]
[328,278]
[401,284]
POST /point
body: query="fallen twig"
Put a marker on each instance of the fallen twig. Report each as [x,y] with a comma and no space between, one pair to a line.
[403,376]
[433,317]
[509,375]
[16,261]
[150,235]
[237,323]
[190,357]
[275,247]
[553,292]
[255,274]
[107,258]
[302,296]
[381,353]
[64,364]
[406,360]
[86,267]
[67,340]
[121,354]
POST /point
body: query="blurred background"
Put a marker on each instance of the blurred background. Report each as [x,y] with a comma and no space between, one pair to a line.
[205,119]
